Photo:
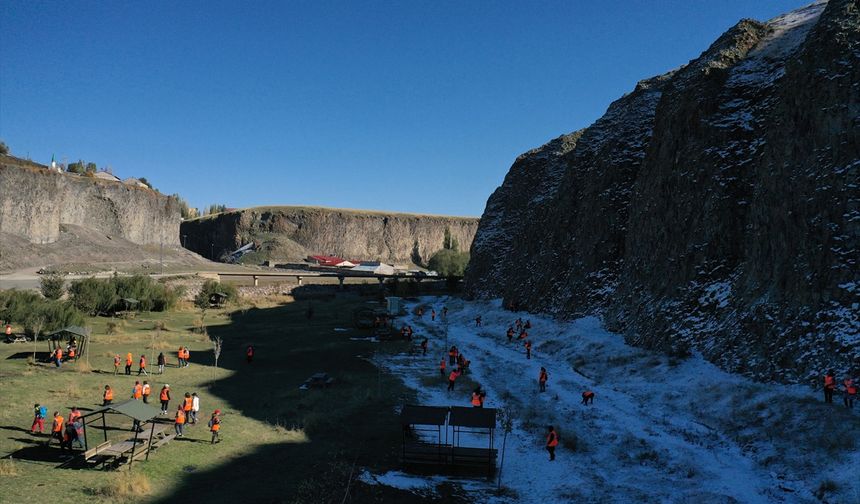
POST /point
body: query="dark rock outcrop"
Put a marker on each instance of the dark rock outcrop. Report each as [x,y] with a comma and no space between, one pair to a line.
[716,207]
[292,233]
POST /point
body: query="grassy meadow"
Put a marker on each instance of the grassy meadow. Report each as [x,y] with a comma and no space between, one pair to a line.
[279,443]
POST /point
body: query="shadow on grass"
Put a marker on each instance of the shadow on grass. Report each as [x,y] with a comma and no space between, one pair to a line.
[349,426]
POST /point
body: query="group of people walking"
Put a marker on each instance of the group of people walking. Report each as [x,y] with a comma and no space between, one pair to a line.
[849,389]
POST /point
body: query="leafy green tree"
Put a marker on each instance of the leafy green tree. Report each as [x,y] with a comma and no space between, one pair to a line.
[76,167]
[211,287]
[36,313]
[52,286]
[91,168]
[449,263]
[93,296]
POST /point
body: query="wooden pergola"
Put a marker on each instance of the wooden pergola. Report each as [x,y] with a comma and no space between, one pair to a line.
[139,412]
[56,339]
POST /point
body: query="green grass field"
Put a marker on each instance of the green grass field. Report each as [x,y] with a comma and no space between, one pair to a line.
[280,444]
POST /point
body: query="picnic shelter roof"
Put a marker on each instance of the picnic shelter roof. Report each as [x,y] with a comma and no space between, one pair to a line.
[423,415]
[77,331]
[484,418]
[131,408]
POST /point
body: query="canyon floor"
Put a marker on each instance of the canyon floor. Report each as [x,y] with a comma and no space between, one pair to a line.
[661,429]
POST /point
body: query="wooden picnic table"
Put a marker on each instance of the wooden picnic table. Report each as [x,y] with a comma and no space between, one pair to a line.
[119,449]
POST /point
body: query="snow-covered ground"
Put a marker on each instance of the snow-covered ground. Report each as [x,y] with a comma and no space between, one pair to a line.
[660,429]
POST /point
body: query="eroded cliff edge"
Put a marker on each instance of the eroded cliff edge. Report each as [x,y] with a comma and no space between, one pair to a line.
[288,233]
[714,208]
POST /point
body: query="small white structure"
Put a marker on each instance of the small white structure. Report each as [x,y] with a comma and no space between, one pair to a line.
[395,306]
[373,267]
[134,182]
[106,176]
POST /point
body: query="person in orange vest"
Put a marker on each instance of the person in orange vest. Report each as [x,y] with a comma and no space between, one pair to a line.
[478,397]
[107,398]
[74,414]
[115,364]
[164,397]
[452,378]
[187,404]
[128,361]
[523,335]
[137,391]
[850,392]
[179,420]
[542,378]
[186,356]
[57,428]
[829,386]
[58,357]
[528,346]
[424,346]
[8,330]
[142,366]
[433,315]
[249,354]
[510,334]
[146,390]
[181,356]
[39,414]
[551,442]
[442,367]
[587,397]
[215,426]
[72,352]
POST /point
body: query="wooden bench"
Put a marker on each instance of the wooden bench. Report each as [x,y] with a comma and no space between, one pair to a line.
[163,441]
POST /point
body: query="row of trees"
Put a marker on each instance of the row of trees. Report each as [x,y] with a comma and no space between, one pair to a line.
[37,314]
[98,296]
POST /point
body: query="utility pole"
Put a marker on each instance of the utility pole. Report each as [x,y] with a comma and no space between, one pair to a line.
[212,251]
[161,256]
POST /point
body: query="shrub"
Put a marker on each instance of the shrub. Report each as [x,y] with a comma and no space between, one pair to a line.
[36,313]
[52,286]
[76,167]
[210,287]
[449,263]
[93,296]
[4,149]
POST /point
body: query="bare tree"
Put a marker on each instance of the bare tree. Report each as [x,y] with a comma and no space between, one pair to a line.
[506,418]
[216,344]
[37,324]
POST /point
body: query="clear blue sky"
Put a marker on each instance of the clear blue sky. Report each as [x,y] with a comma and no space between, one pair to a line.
[417,106]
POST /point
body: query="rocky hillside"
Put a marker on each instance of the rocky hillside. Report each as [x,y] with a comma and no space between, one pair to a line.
[44,213]
[714,208]
[292,233]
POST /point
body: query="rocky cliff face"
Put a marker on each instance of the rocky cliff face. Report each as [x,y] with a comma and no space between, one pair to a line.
[35,201]
[293,233]
[716,207]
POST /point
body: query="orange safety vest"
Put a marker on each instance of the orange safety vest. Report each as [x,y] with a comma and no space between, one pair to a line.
[146,390]
[453,376]
[8,329]
[188,404]
[552,439]
[109,395]
[142,362]
[849,387]
[186,354]
[216,424]
[138,391]
[476,399]
[829,382]
[128,360]
[180,417]
[543,376]
[57,426]
[165,395]
[442,364]
[71,353]
[250,351]
[59,354]
[180,353]
[73,416]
